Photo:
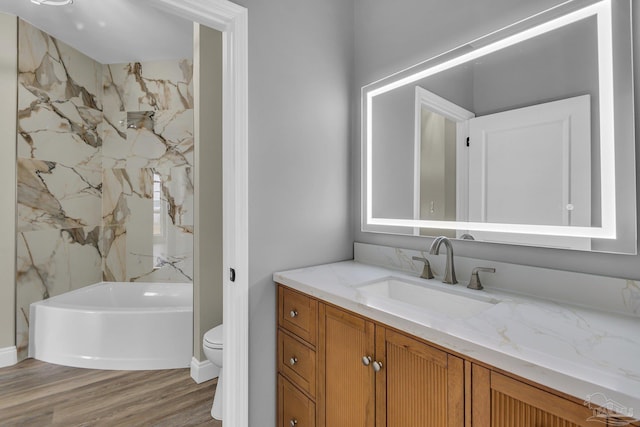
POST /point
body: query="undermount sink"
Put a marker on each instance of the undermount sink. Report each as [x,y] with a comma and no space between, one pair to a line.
[393,294]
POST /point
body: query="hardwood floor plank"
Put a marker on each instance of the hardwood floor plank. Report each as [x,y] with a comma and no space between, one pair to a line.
[109,396]
[113,403]
[47,395]
[175,407]
[32,376]
[34,394]
[36,391]
[196,415]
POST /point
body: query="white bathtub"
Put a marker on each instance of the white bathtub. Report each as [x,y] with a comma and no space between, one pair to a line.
[129,326]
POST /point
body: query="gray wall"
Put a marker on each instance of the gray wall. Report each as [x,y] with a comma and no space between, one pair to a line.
[9,91]
[207,263]
[389,38]
[300,56]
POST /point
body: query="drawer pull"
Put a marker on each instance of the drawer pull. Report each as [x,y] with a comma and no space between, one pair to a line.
[366,360]
[293,313]
[293,422]
[293,360]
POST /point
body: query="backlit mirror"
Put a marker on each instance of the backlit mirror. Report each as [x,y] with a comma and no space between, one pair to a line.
[524,136]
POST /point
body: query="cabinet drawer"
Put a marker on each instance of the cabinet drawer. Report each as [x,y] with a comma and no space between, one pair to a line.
[295,409]
[298,314]
[297,362]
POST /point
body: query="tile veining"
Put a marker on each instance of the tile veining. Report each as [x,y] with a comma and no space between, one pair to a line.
[631,296]
[160,85]
[52,195]
[56,103]
[51,262]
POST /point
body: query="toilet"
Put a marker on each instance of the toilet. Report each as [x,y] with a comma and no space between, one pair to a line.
[212,346]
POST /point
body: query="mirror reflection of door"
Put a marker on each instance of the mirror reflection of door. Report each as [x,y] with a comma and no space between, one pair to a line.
[545,149]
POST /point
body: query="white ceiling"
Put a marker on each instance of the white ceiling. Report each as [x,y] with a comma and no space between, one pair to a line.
[111,31]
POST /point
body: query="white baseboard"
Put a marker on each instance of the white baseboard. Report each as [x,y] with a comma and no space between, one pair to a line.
[8,356]
[203,371]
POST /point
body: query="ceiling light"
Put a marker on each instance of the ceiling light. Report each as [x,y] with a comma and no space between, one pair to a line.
[52,2]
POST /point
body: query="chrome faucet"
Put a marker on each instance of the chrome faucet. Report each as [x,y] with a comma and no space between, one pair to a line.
[449,270]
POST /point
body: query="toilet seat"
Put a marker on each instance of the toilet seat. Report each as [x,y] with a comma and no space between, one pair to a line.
[213,338]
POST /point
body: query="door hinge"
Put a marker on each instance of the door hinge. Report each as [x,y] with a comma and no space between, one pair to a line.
[467,141]
[232,274]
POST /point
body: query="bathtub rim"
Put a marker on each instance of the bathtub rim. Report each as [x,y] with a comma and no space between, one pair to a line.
[57,302]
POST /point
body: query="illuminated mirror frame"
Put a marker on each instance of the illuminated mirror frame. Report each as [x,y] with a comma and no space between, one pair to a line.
[603,13]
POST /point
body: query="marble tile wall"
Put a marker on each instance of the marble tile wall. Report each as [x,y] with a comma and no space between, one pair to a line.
[105,185]
[147,177]
[59,182]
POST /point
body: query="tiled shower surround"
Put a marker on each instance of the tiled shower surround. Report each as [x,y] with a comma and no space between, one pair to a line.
[147,158]
[105,156]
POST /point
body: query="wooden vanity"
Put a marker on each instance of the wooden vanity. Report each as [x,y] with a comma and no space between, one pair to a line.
[338,368]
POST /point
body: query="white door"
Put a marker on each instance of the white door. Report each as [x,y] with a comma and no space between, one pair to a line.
[532,166]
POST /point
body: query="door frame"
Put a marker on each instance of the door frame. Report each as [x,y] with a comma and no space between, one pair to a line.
[455,113]
[232,21]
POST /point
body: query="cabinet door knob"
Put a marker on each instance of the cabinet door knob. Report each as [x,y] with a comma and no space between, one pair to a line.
[293,313]
[293,422]
[366,360]
[293,360]
[377,366]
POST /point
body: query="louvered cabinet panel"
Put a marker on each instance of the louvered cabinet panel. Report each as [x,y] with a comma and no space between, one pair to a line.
[516,403]
[509,412]
[346,389]
[424,386]
[501,401]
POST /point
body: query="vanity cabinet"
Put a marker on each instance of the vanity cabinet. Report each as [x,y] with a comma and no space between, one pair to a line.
[338,368]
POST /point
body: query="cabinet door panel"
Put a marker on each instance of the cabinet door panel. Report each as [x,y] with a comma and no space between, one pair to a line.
[480,396]
[347,395]
[516,403]
[423,387]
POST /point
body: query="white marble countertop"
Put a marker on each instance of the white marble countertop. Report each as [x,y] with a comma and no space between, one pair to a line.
[575,350]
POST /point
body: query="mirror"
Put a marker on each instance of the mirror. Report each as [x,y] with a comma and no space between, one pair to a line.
[524,136]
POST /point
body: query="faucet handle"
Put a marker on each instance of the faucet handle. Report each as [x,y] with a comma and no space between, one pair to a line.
[474,282]
[426,271]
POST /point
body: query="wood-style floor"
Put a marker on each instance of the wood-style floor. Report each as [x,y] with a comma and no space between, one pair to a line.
[34,394]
